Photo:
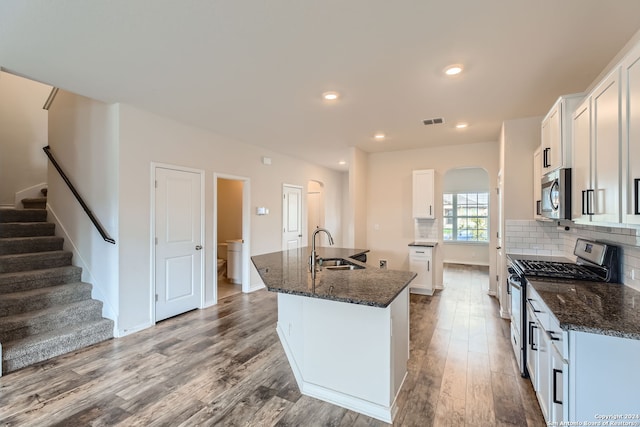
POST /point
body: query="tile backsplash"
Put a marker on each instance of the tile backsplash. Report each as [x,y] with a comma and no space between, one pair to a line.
[548,238]
[426,229]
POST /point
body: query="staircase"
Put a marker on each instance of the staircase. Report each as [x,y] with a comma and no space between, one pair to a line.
[45,309]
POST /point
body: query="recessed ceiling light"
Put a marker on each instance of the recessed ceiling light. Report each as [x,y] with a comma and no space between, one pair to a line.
[342,162]
[330,96]
[379,136]
[462,125]
[454,69]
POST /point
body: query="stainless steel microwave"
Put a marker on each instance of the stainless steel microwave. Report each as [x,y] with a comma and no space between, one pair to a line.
[556,194]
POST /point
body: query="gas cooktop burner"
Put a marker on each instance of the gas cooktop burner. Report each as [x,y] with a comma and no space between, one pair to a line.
[563,270]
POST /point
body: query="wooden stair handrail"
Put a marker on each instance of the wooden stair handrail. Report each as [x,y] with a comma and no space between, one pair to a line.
[93,219]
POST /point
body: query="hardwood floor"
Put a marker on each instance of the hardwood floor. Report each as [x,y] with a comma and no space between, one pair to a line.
[225,366]
[226,288]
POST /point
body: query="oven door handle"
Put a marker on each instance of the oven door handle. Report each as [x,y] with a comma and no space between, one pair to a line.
[514,282]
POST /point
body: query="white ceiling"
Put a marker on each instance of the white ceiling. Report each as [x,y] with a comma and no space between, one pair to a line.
[255,70]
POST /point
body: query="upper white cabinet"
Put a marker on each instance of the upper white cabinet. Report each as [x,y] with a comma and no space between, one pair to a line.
[605,161]
[630,80]
[596,154]
[556,133]
[581,169]
[423,194]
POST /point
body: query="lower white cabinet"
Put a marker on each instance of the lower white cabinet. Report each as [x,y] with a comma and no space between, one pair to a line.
[421,262]
[579,377]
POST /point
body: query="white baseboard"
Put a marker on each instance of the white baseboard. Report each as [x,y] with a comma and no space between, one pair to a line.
[138,328]
[78,260]
[343,400]
[29,193]
[477,263]
[256,287]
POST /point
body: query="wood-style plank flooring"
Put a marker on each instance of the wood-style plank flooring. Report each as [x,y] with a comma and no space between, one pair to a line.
[225,366]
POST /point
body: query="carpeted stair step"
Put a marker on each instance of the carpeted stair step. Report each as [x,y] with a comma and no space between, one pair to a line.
[33,279]
[37,348]
[26,229]
[22,325]
[23,245]
[34,203]
[23,215]
[34,261]
[41,298]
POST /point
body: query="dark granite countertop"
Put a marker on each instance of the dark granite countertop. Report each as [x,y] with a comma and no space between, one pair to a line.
[594,307]
[288,272]
[424,243]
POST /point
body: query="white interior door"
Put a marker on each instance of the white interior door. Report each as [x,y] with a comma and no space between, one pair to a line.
[315,211]
[291,217]
[178,233]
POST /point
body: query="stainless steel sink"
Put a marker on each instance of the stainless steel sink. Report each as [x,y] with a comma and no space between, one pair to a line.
[339,264]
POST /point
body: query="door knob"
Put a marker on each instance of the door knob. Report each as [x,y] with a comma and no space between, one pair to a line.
[198,247]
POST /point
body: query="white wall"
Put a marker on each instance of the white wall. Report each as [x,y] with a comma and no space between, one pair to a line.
[357,231]
[146,138]
[82,136]
[521,137]
[390,226]
[23,133]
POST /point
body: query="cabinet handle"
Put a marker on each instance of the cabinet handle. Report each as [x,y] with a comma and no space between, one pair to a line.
[590,194]
[538,207]
[428,265]
[545,158]
[555,386]
[430,212]
[532,307]
[583,203]
[551,337]
[636,206]
[532,344]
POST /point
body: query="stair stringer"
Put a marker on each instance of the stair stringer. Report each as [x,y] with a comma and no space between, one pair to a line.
[98,289]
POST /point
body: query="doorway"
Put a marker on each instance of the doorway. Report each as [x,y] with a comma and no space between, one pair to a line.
[315,211]
[231,235]
[291,217]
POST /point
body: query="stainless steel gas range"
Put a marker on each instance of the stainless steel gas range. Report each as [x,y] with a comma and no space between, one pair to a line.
[595,261]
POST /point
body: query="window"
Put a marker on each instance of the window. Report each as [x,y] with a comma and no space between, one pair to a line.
[466,217]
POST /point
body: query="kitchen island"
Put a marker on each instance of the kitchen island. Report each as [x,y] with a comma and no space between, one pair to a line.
[346,332]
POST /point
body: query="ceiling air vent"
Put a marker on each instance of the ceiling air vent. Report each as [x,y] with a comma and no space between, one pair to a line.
[435,121]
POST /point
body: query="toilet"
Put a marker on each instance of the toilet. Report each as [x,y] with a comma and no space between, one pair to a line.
[222,259]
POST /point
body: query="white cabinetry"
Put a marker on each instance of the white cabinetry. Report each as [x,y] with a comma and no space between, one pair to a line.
[537,189]
[568,370]
[546,358]
[556,133]
[532,346]
[581,171]
[421,262]
[605,169]
[423,194]
[631,137]
[596,149]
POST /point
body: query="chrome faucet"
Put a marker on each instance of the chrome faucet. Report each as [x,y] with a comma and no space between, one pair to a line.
[313,259]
